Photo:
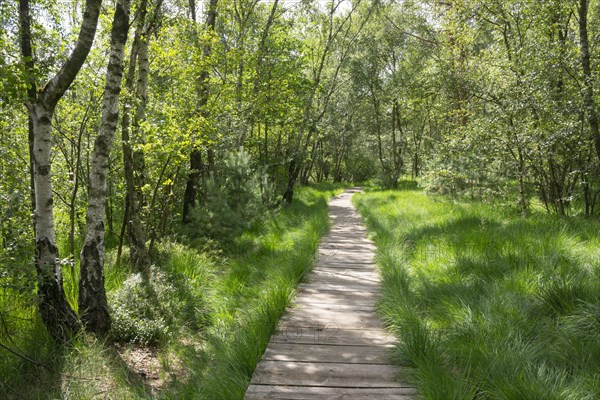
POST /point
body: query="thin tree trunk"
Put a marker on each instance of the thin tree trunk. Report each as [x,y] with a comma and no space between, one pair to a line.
[193,181]
[398,145]
[123,228]
[587,75]
[93,306]
[134,161]
[28,62]
[259,64]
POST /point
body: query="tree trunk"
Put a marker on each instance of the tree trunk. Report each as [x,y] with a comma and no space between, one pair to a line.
[587,75]
[193,181]
[134,161]
[27,54]
[123,229]
[398,145]
[522,193]
[191,188]
[259,65]
[293,172]
[56,313]
[93,306]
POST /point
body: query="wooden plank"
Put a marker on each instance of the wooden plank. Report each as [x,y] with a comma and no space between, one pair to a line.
[325,353]
[337,305]
[359,275]
[339,287]
[345,257]
[338,298]
[343,282]
[338,264]
[346,337]
[330,319]
[258,392]
[326,374]
[306,289]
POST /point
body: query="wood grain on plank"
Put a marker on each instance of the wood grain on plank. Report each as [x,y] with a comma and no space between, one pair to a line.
[257,392]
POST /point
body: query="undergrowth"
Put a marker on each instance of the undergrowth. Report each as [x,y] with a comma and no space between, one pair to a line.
[205,319]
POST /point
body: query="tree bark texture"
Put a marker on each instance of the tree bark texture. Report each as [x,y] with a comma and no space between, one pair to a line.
[57,315]
[93,306]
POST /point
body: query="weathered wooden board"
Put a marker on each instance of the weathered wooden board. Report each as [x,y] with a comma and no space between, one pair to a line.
[350,337]
[342,319]
[305,291]
[327,374]
[360,275]
[326,353]
[259,392]
[339,287]
[334,306]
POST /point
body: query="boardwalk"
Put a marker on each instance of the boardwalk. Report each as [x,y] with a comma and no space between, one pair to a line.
[330,344]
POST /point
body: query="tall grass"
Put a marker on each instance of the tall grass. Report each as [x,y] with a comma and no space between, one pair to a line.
[223,308]
[487,304]
[254,291]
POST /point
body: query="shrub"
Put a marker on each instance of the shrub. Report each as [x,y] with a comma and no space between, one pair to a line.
[143,311]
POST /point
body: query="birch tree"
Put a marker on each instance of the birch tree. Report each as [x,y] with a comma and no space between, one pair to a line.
[56,313]
[93,307]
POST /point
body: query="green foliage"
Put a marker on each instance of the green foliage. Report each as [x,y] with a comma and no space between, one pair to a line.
[173,299]
[486,304]
[233,200]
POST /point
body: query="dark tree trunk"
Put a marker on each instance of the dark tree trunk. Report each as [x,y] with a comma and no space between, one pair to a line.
[587,75]
[293,172]
[195,174]
[123,228]
[191,188]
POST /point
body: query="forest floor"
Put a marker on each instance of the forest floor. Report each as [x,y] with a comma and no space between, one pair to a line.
[485,303]
[215,315]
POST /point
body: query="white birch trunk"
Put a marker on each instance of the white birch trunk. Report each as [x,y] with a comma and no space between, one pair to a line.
[93,306]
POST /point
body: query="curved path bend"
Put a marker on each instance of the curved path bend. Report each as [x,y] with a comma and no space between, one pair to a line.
[330,344]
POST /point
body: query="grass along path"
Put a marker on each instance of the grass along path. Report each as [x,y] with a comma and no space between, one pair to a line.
[214,317]
[486,304]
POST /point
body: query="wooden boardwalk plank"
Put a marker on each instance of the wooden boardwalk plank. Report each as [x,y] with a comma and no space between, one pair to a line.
[258,392]
[330,344]
[326,353]
[326,374]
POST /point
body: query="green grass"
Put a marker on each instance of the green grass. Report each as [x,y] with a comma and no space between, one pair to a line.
[223,309]
[486,304]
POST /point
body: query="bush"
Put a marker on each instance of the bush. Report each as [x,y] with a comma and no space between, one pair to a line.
[143,311]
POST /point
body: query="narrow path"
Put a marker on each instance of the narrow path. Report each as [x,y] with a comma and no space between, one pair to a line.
[330,344]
